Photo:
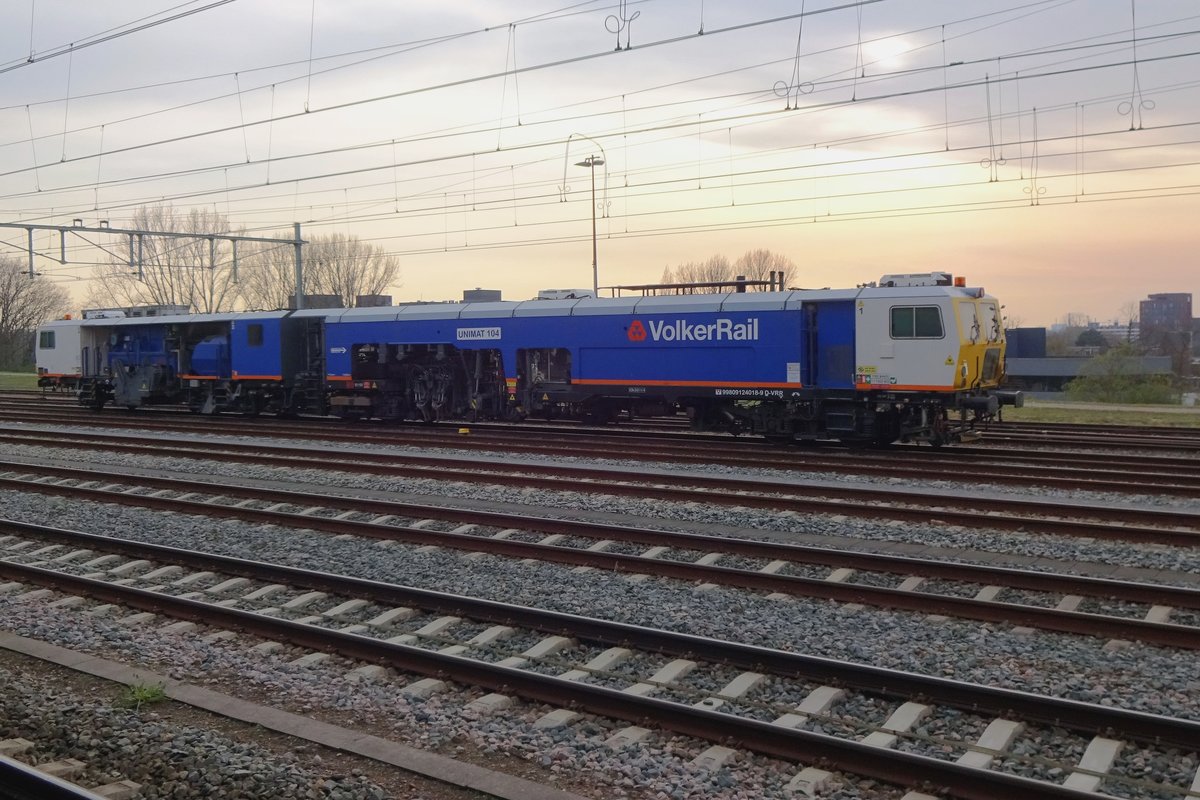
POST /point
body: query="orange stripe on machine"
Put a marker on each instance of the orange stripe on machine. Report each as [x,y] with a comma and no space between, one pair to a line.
[714,384]
[902,387]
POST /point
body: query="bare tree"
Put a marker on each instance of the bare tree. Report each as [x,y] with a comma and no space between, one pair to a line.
[192,272]
[267,276]
[335,264]
[1129,314]
[715,268]
[25,303]
[348,267]
[757,265]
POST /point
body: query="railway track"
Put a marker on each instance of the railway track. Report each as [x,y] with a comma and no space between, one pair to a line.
[890,717]
[1149,475]
[1080,439]
[1093,441]
[1164,525]
[1163,615]
[21,781]
[773,702]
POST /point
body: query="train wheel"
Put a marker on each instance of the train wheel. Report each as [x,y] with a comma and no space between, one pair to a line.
[939,433]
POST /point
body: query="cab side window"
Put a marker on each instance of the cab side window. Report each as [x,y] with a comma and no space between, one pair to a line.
[254,335]
[917,322]
[991,322]
[46,340]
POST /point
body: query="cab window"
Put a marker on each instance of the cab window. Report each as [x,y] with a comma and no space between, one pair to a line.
[46,340]
[968,317]
[917,322]
[254,335]
[991,322]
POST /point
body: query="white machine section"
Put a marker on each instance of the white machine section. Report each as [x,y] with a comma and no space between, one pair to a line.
[93,348]
[58,349]
[906,339]
[68,349]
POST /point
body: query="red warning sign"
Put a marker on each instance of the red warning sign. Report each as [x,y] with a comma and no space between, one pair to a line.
[637,331]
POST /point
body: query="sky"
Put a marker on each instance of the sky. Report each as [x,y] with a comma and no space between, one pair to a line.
[1048,151]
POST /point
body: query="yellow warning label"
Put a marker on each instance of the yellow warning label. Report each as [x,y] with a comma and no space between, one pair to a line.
[545,397]
[949,361]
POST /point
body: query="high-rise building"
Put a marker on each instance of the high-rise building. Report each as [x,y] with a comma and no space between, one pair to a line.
[1166,328]
[1170,311]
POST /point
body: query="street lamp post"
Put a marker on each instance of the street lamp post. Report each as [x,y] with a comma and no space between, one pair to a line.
[591,162]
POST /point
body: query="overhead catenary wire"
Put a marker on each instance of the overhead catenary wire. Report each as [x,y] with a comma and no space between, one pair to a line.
[685,125]
[272,115]
[840,142]
[821,197]
[357,146]
[109,35]
[1026,53]
[306,182]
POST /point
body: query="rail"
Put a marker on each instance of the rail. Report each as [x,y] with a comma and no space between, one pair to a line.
[864,759]
[20,781]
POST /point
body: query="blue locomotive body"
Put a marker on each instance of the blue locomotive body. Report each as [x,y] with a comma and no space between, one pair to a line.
[210,362]
[912,358]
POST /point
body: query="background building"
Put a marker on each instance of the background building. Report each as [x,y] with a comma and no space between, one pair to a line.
[1028,366]
[1166,328]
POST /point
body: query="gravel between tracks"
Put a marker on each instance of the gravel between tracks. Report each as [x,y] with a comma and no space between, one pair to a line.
[752,523]
[1143,678]
[170,761]
[952,487]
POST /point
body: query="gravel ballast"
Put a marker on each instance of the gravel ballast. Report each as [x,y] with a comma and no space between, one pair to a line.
[179,762]
[1156,680]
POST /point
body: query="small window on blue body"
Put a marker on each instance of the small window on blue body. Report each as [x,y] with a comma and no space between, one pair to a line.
[46,340]
[917,322]
[254,335]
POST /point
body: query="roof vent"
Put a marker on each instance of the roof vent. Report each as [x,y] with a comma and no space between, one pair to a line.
[564,294]
[917,279]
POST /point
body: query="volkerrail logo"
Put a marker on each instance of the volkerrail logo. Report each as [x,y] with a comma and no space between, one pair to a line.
[681,331]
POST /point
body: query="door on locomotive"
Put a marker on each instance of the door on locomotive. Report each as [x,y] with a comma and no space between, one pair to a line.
[828,333]
[981,337]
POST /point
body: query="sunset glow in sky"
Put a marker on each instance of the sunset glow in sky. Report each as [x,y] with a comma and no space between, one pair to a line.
[1046,150]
